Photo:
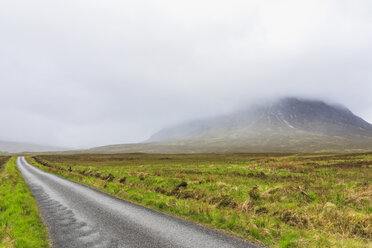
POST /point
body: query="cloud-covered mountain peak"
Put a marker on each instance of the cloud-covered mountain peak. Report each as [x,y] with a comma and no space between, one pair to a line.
[286,116]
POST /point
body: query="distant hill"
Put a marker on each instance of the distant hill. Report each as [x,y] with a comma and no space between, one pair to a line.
[18,147]
[285,125]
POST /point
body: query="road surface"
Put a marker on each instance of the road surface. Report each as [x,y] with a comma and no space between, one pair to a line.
[78,216]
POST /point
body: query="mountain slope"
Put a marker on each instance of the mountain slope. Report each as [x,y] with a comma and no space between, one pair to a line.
[286,116]
[286,125]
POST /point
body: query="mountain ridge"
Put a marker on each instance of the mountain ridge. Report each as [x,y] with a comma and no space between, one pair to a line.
[19,147]
[285,125]
[286,113]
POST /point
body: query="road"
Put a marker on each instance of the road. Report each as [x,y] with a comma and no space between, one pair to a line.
[78,216]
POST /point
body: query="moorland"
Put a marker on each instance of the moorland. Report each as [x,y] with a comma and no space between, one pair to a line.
[280,200]
[20,223]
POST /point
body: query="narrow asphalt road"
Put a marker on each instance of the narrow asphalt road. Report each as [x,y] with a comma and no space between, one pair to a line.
[78,216]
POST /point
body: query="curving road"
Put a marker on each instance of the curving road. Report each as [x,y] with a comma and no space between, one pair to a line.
[78,216]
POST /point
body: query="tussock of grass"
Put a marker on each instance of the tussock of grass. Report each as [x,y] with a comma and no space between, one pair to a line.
[20,223]
[279,200]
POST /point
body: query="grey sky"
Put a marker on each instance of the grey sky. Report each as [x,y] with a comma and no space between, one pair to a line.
[82,73]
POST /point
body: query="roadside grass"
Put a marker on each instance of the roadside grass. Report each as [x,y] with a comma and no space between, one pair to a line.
[20,222]
[280,200]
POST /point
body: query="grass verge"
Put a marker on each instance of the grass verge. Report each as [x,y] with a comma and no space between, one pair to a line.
[277,200]
[20,222]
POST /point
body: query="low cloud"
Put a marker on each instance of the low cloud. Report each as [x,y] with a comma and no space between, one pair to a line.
[87,73]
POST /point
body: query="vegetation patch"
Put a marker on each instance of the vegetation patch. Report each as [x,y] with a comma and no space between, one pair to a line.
[20,222]
[280,200]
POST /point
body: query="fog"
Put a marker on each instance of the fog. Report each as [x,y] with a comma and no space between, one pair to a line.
[78,73]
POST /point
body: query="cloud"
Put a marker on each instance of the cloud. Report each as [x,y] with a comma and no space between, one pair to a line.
[86,73]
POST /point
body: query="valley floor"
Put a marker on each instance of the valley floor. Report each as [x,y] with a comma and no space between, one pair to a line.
[280,200]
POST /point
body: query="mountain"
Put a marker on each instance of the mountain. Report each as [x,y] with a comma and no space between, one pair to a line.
[18,147]
[285,125]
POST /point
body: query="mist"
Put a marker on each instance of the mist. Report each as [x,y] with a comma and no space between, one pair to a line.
[80,73]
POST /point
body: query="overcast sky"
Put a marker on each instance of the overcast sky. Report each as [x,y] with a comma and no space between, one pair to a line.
[82,73]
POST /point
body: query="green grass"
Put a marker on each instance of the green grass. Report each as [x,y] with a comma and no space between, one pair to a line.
[281,200]
[20,223]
